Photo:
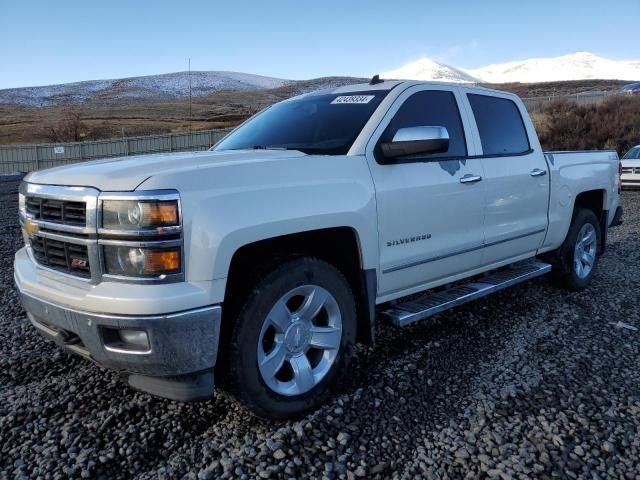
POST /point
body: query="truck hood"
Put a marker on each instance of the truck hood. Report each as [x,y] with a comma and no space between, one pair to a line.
[127,173]
[631,163]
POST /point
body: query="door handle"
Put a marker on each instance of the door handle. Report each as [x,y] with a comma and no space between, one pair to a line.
[537,172]
[468,178]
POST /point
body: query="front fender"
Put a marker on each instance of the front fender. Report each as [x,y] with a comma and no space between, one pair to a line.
[230,206]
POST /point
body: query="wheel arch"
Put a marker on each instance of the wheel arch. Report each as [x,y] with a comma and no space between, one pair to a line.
[596,201]
[338,246]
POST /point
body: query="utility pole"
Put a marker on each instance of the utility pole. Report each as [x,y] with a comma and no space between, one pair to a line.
[190,88]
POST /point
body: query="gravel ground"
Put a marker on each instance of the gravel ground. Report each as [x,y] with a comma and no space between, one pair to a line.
[532,382]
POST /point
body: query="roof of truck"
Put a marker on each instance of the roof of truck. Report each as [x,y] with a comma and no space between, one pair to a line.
[390,84]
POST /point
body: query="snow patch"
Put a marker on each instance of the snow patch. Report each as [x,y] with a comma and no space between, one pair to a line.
[427,69]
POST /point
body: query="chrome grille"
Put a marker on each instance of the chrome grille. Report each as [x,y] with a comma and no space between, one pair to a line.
[60,211]
[60,229]
[62,256]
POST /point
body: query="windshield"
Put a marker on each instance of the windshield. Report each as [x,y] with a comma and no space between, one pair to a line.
[633,154]
[316,124]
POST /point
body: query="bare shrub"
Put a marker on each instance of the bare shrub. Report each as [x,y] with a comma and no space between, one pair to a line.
[613,124]
[68,128]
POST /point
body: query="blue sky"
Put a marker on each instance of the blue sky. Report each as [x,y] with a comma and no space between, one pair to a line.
[46,42]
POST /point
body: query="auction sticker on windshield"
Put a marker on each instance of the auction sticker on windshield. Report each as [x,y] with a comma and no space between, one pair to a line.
[353,99]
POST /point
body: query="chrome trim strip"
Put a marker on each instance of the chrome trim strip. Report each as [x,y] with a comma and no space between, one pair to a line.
[432,259]
[65,228]
[164,278]
[141,195]
[65,238]
[460,252]
[159,231]
[141,244]
[128,352]
[505,240]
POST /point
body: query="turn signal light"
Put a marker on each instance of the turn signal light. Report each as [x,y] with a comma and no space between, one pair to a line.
[161,261]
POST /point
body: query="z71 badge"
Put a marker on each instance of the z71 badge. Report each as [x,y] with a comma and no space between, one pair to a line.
[403,241]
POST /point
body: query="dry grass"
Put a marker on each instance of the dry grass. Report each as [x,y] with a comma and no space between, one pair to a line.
[613,124]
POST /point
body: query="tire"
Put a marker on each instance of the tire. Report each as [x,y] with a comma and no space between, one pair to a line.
[276,325]
[568,272]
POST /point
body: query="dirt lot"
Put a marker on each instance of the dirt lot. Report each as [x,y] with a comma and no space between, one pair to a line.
[532,382]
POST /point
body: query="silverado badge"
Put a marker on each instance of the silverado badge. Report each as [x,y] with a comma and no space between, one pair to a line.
[412,239]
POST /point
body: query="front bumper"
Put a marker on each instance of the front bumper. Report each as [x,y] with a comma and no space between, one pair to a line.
[182,349]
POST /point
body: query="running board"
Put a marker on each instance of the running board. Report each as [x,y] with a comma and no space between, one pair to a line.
[403,314]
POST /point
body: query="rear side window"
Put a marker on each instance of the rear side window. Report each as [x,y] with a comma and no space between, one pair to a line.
[431,108]
[500,125]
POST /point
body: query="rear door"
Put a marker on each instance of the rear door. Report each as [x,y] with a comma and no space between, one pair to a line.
[430,225]
[516,178]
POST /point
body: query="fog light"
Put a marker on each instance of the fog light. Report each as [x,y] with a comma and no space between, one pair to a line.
[137,338]
[127,340]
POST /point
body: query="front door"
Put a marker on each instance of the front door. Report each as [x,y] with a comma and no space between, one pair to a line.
[430,224]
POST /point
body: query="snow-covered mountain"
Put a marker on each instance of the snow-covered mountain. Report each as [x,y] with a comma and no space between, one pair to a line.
[427,69]
[578,66]
[166,86]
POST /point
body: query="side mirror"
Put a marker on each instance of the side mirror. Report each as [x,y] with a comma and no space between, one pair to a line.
[416,140]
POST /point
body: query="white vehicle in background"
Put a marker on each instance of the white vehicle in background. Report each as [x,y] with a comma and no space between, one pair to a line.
[263,261]
[630,177]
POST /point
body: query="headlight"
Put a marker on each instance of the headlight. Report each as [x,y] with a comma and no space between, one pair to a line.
[140,235]
[139,214]
[141,261]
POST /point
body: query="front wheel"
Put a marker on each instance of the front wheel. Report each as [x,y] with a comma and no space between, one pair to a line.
[577,258]
[293,338]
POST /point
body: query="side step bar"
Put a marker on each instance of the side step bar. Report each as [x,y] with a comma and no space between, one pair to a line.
[403,314]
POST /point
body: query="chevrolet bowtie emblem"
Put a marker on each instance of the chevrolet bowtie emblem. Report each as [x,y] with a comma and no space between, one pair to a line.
[30,227]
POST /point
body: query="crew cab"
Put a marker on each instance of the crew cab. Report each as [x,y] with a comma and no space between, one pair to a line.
[261,262]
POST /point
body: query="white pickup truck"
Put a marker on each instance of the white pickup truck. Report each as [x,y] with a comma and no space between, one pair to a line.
[264,260]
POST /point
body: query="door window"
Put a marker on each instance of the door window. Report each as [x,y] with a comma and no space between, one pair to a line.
[500,125]
[430,108]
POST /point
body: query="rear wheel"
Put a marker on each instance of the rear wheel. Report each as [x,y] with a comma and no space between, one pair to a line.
[577,258]
[293,338]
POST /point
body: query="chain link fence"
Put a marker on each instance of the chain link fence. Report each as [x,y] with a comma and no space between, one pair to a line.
[582,98]
[27,158]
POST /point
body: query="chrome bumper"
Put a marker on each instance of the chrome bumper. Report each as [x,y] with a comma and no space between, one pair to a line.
[182,346]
